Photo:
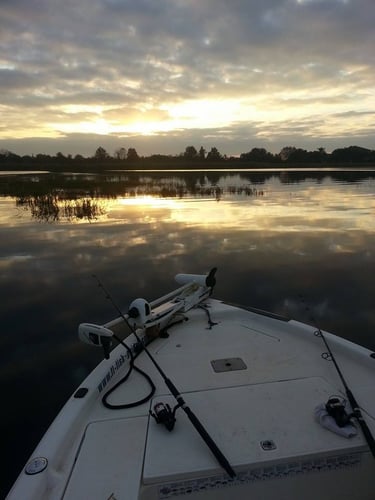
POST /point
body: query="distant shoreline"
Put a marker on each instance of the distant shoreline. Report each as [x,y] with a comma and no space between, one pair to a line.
[147,165]
[289,157]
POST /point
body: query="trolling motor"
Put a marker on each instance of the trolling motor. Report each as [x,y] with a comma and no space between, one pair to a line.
[163,414]
[336,409]
[96,335]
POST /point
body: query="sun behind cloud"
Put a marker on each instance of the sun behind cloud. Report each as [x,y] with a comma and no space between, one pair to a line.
[102,120]
[262,74]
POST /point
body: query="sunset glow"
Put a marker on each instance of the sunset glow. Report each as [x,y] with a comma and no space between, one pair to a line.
[126,74]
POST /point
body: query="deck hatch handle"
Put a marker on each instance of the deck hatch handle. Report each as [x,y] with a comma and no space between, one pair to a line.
[268,445]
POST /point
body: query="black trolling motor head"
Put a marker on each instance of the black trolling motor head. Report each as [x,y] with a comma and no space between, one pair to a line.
[336,409]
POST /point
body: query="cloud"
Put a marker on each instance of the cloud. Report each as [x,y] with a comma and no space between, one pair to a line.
[130,66]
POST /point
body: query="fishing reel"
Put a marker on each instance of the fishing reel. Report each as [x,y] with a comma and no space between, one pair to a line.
[336,409]
[163,414]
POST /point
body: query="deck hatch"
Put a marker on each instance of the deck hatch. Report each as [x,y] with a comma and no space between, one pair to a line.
[282,412]
[228,365]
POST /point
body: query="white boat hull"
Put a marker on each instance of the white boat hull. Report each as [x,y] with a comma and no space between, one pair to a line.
[253,380]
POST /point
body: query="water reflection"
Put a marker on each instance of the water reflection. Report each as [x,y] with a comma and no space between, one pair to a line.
[53,207]
[273,237]
[84,197]
[286,201]
[317,233]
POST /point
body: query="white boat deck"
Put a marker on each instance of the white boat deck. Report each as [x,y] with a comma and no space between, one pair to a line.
[254,382]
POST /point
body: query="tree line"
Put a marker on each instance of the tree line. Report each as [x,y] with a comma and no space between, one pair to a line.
[190,158]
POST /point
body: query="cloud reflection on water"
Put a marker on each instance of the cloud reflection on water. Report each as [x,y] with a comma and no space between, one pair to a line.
[313,237]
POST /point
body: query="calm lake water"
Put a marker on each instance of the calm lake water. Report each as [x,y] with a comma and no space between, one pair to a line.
[276,237]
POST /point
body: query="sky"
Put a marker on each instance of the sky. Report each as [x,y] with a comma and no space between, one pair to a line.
[161,75]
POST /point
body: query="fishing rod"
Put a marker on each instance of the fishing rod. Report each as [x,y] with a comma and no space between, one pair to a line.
[174,391]
[349,394]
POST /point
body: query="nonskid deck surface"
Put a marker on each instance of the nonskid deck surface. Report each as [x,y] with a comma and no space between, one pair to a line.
[253,381]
